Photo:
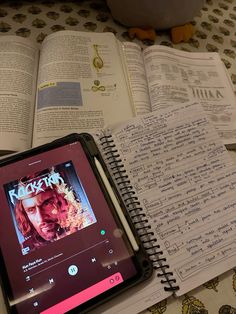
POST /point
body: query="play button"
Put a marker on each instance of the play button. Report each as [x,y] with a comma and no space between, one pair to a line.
[72,270]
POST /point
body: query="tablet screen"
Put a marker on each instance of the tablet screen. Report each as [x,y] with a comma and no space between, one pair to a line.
[59,240]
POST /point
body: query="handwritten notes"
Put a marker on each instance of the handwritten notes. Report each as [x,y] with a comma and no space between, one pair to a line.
[186,183]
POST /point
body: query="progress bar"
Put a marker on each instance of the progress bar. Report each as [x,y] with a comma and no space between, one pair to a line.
[65,259]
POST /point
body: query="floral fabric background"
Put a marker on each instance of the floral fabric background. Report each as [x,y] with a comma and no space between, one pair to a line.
[215,29]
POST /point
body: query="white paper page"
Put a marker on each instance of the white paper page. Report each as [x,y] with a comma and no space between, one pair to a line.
[177,76]
[18,74]
[137,80]
[81,85]
[186,183]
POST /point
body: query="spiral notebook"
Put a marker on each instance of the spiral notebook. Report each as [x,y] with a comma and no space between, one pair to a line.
[179,184]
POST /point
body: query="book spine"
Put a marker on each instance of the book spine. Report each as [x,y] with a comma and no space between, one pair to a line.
[136,212]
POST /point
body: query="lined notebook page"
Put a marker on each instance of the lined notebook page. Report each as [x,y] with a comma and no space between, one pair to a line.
[186,182]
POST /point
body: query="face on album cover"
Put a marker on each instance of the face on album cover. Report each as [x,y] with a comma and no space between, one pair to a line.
[47,206]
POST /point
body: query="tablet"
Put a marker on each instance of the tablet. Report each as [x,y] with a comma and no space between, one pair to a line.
[65,246]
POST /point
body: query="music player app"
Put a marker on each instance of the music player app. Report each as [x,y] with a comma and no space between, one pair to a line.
[47,206]
[57,225]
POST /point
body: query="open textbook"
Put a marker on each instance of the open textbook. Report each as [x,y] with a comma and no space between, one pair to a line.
[178,182]
[81,81]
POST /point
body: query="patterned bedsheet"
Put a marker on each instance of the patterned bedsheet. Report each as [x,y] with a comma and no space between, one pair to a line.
[215,31]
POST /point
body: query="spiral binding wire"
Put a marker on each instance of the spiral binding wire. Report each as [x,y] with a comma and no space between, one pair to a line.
[136,212]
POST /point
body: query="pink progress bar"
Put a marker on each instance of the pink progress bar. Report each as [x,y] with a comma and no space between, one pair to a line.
[85,295]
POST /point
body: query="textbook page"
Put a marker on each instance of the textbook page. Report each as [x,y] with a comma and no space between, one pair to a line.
[18,74]
[176,76]
[81,85]
[136,76]
[185,181]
